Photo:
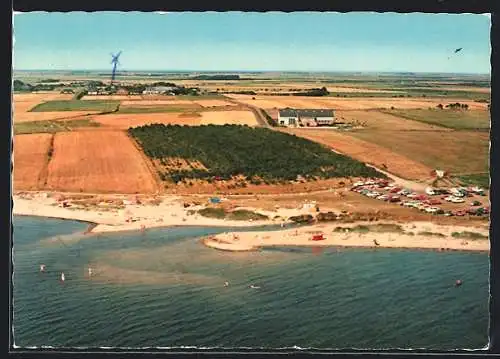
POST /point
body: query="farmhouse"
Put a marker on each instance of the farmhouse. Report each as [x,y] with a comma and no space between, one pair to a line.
[308,117]
[158,90]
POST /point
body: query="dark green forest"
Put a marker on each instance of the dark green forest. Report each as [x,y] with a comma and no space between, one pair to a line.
[259,154]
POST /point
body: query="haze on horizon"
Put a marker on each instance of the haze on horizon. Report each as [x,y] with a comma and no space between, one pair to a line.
[260,42]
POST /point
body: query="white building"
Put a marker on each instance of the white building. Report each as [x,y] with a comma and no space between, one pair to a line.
[157,90]
[309,117]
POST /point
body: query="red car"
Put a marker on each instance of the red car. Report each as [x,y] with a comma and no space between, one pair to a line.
[394,199]
[395,189]
[434,202]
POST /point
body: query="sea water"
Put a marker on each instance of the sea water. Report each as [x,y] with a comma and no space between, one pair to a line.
[163,288]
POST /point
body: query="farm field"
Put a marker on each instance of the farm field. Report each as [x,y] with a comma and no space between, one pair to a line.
[98,161]
[145,102]
[77,105]
[374,119]
[327,102]
[124,121]
[30,161]
[51,126]
[367,151]
[50,116]
[454,151]
[24,102]
[456,119]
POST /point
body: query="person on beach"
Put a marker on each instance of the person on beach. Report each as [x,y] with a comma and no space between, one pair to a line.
[90,271]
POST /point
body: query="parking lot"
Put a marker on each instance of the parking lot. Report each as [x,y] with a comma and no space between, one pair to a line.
[461,201]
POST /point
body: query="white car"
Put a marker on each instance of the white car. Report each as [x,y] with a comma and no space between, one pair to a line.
[413,195]
[458,200]
[432,209]
[449,198]
[383,197]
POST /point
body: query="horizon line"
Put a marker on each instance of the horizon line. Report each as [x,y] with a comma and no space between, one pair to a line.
[255,71]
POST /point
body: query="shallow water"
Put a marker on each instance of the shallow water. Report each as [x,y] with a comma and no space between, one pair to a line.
[162,288]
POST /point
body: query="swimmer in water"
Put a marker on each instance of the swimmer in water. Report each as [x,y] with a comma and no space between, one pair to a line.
[90,271]
[226,284]
[42,267]
[62,277]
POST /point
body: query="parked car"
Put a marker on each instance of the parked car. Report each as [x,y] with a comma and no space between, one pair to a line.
[476,203]
[395,190]
[394,199]
[383,197]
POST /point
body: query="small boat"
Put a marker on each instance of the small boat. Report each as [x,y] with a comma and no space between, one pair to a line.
[254,286]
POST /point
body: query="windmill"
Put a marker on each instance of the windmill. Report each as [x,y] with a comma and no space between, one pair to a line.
[115,62]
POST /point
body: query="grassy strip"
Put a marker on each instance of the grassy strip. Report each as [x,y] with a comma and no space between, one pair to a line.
[477,179]
[77,105]
[51,126]
[468,235]
[238,215]
[379,228]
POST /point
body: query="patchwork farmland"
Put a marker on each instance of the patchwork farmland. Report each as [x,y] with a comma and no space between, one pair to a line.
[389,132]
[100,161]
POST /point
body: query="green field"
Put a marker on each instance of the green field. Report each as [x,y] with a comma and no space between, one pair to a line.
[256,153]
[456,119]
[51,126]
[77,105]
[454,151]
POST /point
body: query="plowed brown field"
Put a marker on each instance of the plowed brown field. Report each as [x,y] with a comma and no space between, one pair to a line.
[98,161]
[30,160]
[366,152]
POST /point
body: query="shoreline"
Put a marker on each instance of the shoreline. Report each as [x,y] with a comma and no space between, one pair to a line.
[171,212]
[441,239]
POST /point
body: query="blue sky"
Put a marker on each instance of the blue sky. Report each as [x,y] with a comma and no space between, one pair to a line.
[273,41]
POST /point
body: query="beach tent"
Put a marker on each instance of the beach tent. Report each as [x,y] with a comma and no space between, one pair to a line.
[318,237]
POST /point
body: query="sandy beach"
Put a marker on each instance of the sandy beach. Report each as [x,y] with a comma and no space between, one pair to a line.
[170,211]
[431,236]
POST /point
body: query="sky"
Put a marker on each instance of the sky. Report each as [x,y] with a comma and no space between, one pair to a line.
[239,41]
